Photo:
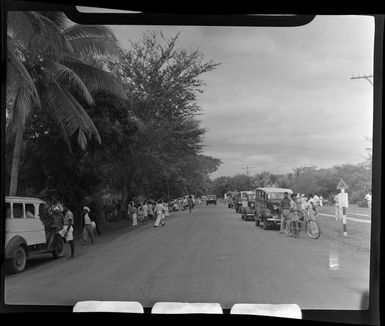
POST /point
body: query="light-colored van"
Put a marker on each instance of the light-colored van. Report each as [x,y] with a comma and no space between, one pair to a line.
[25,232]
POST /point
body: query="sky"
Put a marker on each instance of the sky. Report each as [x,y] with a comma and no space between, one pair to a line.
[282,97]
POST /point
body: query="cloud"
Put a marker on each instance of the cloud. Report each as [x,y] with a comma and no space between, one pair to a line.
[282,97]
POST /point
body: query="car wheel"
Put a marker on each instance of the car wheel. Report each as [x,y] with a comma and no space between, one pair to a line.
[58,248]
[18,261]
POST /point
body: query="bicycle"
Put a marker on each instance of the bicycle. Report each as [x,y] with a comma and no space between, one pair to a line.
[292,227]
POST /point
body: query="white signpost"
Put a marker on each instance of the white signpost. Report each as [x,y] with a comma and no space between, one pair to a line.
[343,202]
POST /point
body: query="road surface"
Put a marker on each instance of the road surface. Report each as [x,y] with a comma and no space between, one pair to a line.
[210,255]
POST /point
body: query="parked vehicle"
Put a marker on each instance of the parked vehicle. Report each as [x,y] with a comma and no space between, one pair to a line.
[248,211]
[268,206]
[240,200]
[211,199]
[26,233]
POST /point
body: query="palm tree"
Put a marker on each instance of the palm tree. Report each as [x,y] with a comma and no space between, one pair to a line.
[53,65]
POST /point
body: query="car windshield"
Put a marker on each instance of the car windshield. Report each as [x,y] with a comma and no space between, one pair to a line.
[275,195]
[252,196]
[147,111]
[244,195]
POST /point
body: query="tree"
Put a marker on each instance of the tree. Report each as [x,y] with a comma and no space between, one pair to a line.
[163,82]
[53,66]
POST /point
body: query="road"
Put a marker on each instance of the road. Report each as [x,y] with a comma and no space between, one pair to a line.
[209,256]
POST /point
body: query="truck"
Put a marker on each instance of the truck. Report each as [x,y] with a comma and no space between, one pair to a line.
[26,233]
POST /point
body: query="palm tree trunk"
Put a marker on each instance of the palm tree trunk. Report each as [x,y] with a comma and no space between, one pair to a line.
[16,161]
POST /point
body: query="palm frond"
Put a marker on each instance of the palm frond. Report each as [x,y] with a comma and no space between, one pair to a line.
[95,79]
[69,113]
[22,105]
[94,46]
[91,40]
[20,26]
[16,70]
[67,77]
[83,31]
[48,37]
[90,128]
[57,17]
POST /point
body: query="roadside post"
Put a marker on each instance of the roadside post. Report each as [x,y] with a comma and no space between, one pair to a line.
[343,202]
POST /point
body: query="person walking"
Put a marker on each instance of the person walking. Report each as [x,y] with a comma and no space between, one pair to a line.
[158,213]
[56,224]
[87,226]
[69,230]
[368,198]
[145,211]
[134,215]
[190,203]
[285,208]
[165,212]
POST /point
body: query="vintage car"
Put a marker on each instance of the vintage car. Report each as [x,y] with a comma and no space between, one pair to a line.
[25,232]
[240,200]
[243,200]
[211,199]
[248,211]
[268,206]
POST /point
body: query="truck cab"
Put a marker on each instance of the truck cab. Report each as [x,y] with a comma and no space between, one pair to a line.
[25,232]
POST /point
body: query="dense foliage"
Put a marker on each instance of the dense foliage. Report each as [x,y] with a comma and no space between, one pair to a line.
[307,180]
[147,140]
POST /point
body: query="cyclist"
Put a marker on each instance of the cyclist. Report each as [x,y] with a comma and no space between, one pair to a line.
[190,203]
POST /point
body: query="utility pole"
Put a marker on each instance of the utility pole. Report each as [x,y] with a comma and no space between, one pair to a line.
[247,173]
[364,77]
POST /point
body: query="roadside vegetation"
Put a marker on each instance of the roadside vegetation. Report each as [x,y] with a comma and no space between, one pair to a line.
[90,123]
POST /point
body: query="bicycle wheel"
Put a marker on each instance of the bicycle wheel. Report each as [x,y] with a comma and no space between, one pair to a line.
[312,229]
[288,226]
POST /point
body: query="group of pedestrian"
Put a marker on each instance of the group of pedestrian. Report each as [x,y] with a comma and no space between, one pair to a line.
[60,220]
[142,211]
[300,203]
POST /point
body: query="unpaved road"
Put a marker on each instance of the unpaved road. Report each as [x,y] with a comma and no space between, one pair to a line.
[209,256]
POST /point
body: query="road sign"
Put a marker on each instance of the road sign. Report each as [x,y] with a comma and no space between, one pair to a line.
[342,184]
[343,202]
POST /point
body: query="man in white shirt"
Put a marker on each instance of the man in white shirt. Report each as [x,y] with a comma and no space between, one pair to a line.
[368,198]
[314,204]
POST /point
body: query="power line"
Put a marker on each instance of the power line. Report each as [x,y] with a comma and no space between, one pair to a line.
[364,77]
